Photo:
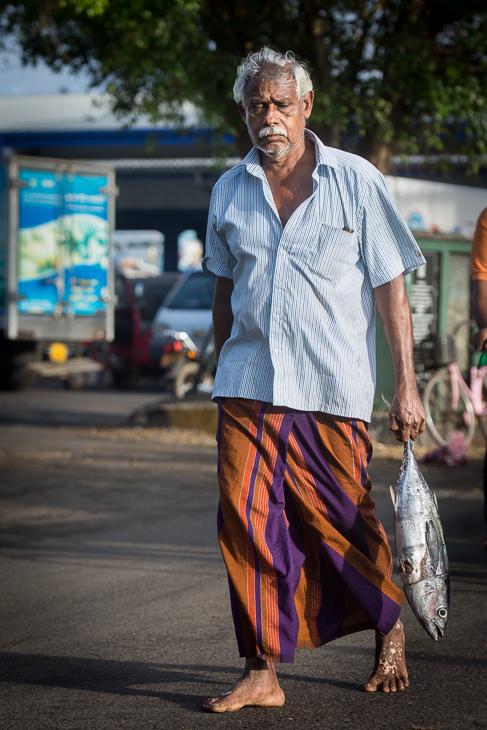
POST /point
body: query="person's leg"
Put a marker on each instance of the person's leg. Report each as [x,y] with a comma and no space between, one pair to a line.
[327,459]
[254,539]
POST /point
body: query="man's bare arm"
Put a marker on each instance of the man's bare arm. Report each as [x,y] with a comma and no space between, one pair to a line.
[222,312]
[479,301]
[407,416]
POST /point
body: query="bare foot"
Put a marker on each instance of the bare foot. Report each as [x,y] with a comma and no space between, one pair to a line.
[390,673]
[258,687]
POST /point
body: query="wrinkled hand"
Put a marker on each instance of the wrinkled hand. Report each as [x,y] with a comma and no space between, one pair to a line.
[407,418]
[480,339]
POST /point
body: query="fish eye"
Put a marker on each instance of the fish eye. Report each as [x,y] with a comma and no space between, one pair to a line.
[442,612]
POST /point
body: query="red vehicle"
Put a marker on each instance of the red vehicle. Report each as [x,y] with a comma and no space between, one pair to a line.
[138,301]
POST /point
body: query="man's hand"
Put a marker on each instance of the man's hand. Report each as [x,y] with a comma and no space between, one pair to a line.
[407,418]
[480,339]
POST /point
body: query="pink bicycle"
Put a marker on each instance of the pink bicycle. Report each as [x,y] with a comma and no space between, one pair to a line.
[451,405]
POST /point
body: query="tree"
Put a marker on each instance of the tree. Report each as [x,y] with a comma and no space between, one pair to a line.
[391,76]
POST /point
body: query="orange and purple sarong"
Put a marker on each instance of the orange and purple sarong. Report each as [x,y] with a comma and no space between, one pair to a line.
[307,559]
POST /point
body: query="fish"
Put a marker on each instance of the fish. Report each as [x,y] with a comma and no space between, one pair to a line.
[422,559]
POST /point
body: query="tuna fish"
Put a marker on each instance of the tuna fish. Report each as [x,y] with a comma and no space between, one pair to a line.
[420,547]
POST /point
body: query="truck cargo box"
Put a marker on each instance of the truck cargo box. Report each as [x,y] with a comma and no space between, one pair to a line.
[56,218]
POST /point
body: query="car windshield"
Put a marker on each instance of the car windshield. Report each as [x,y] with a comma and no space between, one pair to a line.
[151,292]
[195,293]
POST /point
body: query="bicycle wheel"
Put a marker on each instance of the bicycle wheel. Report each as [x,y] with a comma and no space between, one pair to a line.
[441,419]
[483,419]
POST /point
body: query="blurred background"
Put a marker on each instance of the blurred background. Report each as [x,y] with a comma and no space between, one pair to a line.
[145,91]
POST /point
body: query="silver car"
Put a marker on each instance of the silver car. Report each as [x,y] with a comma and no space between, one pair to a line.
[187,308]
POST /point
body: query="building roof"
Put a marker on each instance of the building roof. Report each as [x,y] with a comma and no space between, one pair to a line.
[173,163]
[73,112]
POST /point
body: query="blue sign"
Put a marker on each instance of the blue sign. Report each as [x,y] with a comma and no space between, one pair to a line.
[63,243]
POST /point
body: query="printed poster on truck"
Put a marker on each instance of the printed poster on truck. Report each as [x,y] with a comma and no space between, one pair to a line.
[63,243]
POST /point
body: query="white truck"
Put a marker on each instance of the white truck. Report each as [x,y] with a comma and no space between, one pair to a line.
[56,271]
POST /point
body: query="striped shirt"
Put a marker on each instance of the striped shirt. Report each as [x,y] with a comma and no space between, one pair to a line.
[303,334]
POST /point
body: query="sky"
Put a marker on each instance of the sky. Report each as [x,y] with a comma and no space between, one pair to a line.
[18,79]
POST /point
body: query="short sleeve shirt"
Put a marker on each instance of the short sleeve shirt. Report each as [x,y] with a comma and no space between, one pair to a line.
[303,334]
[479,249]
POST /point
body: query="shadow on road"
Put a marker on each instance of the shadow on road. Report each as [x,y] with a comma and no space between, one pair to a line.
[40,417]
[129,678]
[60,407]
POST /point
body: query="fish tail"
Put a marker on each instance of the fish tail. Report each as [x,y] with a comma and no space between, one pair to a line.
[385,401]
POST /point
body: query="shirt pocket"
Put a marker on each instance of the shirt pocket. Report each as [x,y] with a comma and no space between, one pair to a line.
[332,253]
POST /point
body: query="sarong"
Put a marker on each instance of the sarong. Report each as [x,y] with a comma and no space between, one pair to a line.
[308,560]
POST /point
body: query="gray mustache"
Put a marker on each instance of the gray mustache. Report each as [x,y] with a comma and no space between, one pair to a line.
[267,131]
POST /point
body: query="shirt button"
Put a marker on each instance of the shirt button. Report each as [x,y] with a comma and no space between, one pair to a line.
[275,352]
[283,253]
[276,317]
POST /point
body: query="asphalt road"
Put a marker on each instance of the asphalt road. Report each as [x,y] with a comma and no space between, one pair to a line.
[114,604]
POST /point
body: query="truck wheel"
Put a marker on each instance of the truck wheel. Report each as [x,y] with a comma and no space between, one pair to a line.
[76,381]
[16,377]
[22,379]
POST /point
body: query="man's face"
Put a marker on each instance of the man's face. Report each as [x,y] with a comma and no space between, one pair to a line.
[274,115]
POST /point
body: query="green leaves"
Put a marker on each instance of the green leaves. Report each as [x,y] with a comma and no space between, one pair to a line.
[390,75]
[90,7]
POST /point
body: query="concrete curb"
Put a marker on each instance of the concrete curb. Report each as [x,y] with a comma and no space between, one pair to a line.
[202,416]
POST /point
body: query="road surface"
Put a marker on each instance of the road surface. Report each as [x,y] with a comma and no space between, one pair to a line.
[114,603]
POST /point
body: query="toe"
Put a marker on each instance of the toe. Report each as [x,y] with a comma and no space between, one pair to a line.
[210,703]
[399,683]
[213,706]
[371,686]
[385,686]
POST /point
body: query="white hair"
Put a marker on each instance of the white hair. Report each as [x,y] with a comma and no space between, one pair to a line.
[274,65]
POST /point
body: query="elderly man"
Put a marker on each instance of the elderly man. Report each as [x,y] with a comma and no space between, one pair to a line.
[302,239]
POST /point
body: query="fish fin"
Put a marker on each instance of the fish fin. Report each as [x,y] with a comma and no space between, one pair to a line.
[385,401]
[436,501]
[393,496]
[432,543]
[409,445]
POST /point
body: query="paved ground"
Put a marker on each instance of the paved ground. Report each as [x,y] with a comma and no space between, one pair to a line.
[114,606]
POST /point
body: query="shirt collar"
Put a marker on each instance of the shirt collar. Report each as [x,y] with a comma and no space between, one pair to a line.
[324,156]
[252,163]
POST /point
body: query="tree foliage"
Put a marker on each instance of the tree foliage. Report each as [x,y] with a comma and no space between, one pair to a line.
[391,76]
